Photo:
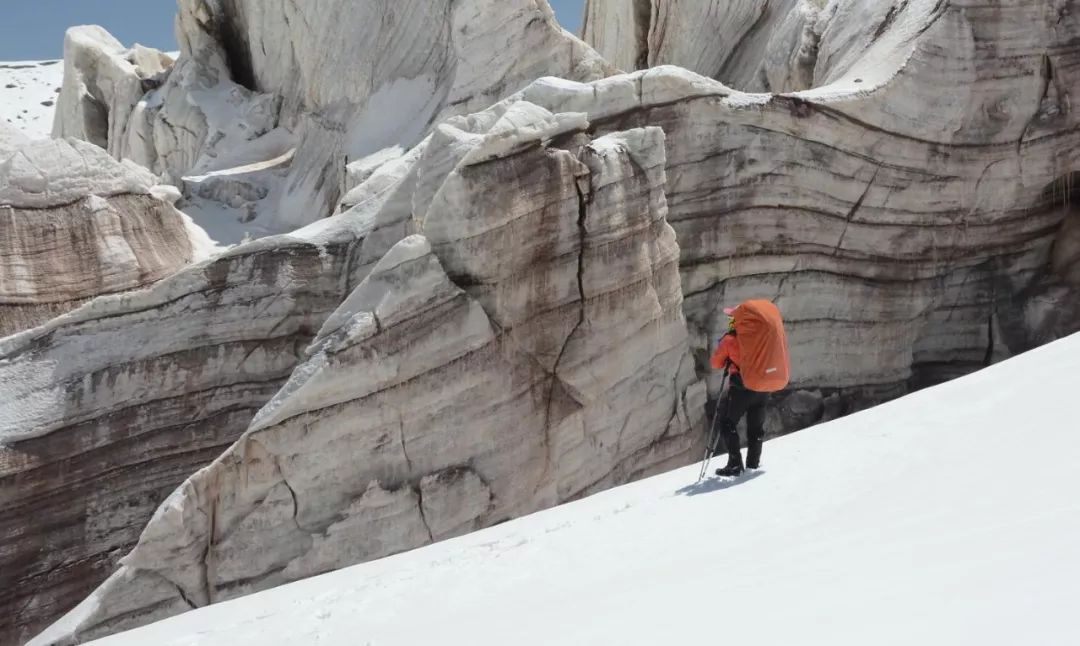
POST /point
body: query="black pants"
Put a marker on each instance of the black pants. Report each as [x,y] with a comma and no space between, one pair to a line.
[743,401]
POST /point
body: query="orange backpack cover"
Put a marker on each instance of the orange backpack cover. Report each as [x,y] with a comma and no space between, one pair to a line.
[763,347]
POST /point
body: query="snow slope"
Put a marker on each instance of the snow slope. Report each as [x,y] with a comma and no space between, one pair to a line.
[28,93]
[950,516]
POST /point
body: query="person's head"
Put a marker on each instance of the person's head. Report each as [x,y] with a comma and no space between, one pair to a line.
[730,312]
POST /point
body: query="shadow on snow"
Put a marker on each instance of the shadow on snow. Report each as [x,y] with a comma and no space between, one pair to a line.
[716,483]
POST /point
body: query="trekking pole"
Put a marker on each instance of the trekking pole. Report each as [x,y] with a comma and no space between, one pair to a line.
[714,437]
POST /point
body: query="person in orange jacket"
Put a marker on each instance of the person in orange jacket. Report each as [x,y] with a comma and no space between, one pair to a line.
[739,401]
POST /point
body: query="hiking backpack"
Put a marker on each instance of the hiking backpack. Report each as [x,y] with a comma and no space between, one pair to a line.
[763,349]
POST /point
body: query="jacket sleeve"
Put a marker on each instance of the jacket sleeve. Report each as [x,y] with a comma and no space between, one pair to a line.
[722,354]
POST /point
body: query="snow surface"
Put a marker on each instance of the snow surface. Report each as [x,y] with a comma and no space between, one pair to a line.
[950,516]
[28,93]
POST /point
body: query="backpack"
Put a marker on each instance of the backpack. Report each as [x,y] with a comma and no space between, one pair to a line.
[763,348]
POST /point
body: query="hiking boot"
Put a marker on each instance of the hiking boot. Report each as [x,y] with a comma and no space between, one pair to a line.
[753,454]
[730,471]
[734,457]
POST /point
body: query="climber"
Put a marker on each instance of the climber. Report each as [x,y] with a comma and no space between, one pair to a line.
[754,353]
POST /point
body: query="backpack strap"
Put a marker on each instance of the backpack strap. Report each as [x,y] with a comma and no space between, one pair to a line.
[728,362]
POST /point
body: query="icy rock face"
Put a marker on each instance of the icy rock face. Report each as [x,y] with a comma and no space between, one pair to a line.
[105,410]
[912,217]
[345,79]
[187,363]
[397,69]
[201,120]
[171,118]
[75,224]
[103,82]
[905,231]
[1051,307]
[619,31]
[528,350]
[752,45]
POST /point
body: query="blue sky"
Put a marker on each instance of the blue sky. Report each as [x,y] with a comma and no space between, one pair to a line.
[570,12]
[34,29]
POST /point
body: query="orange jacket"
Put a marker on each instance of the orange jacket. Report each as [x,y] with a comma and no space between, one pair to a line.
[728,350]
